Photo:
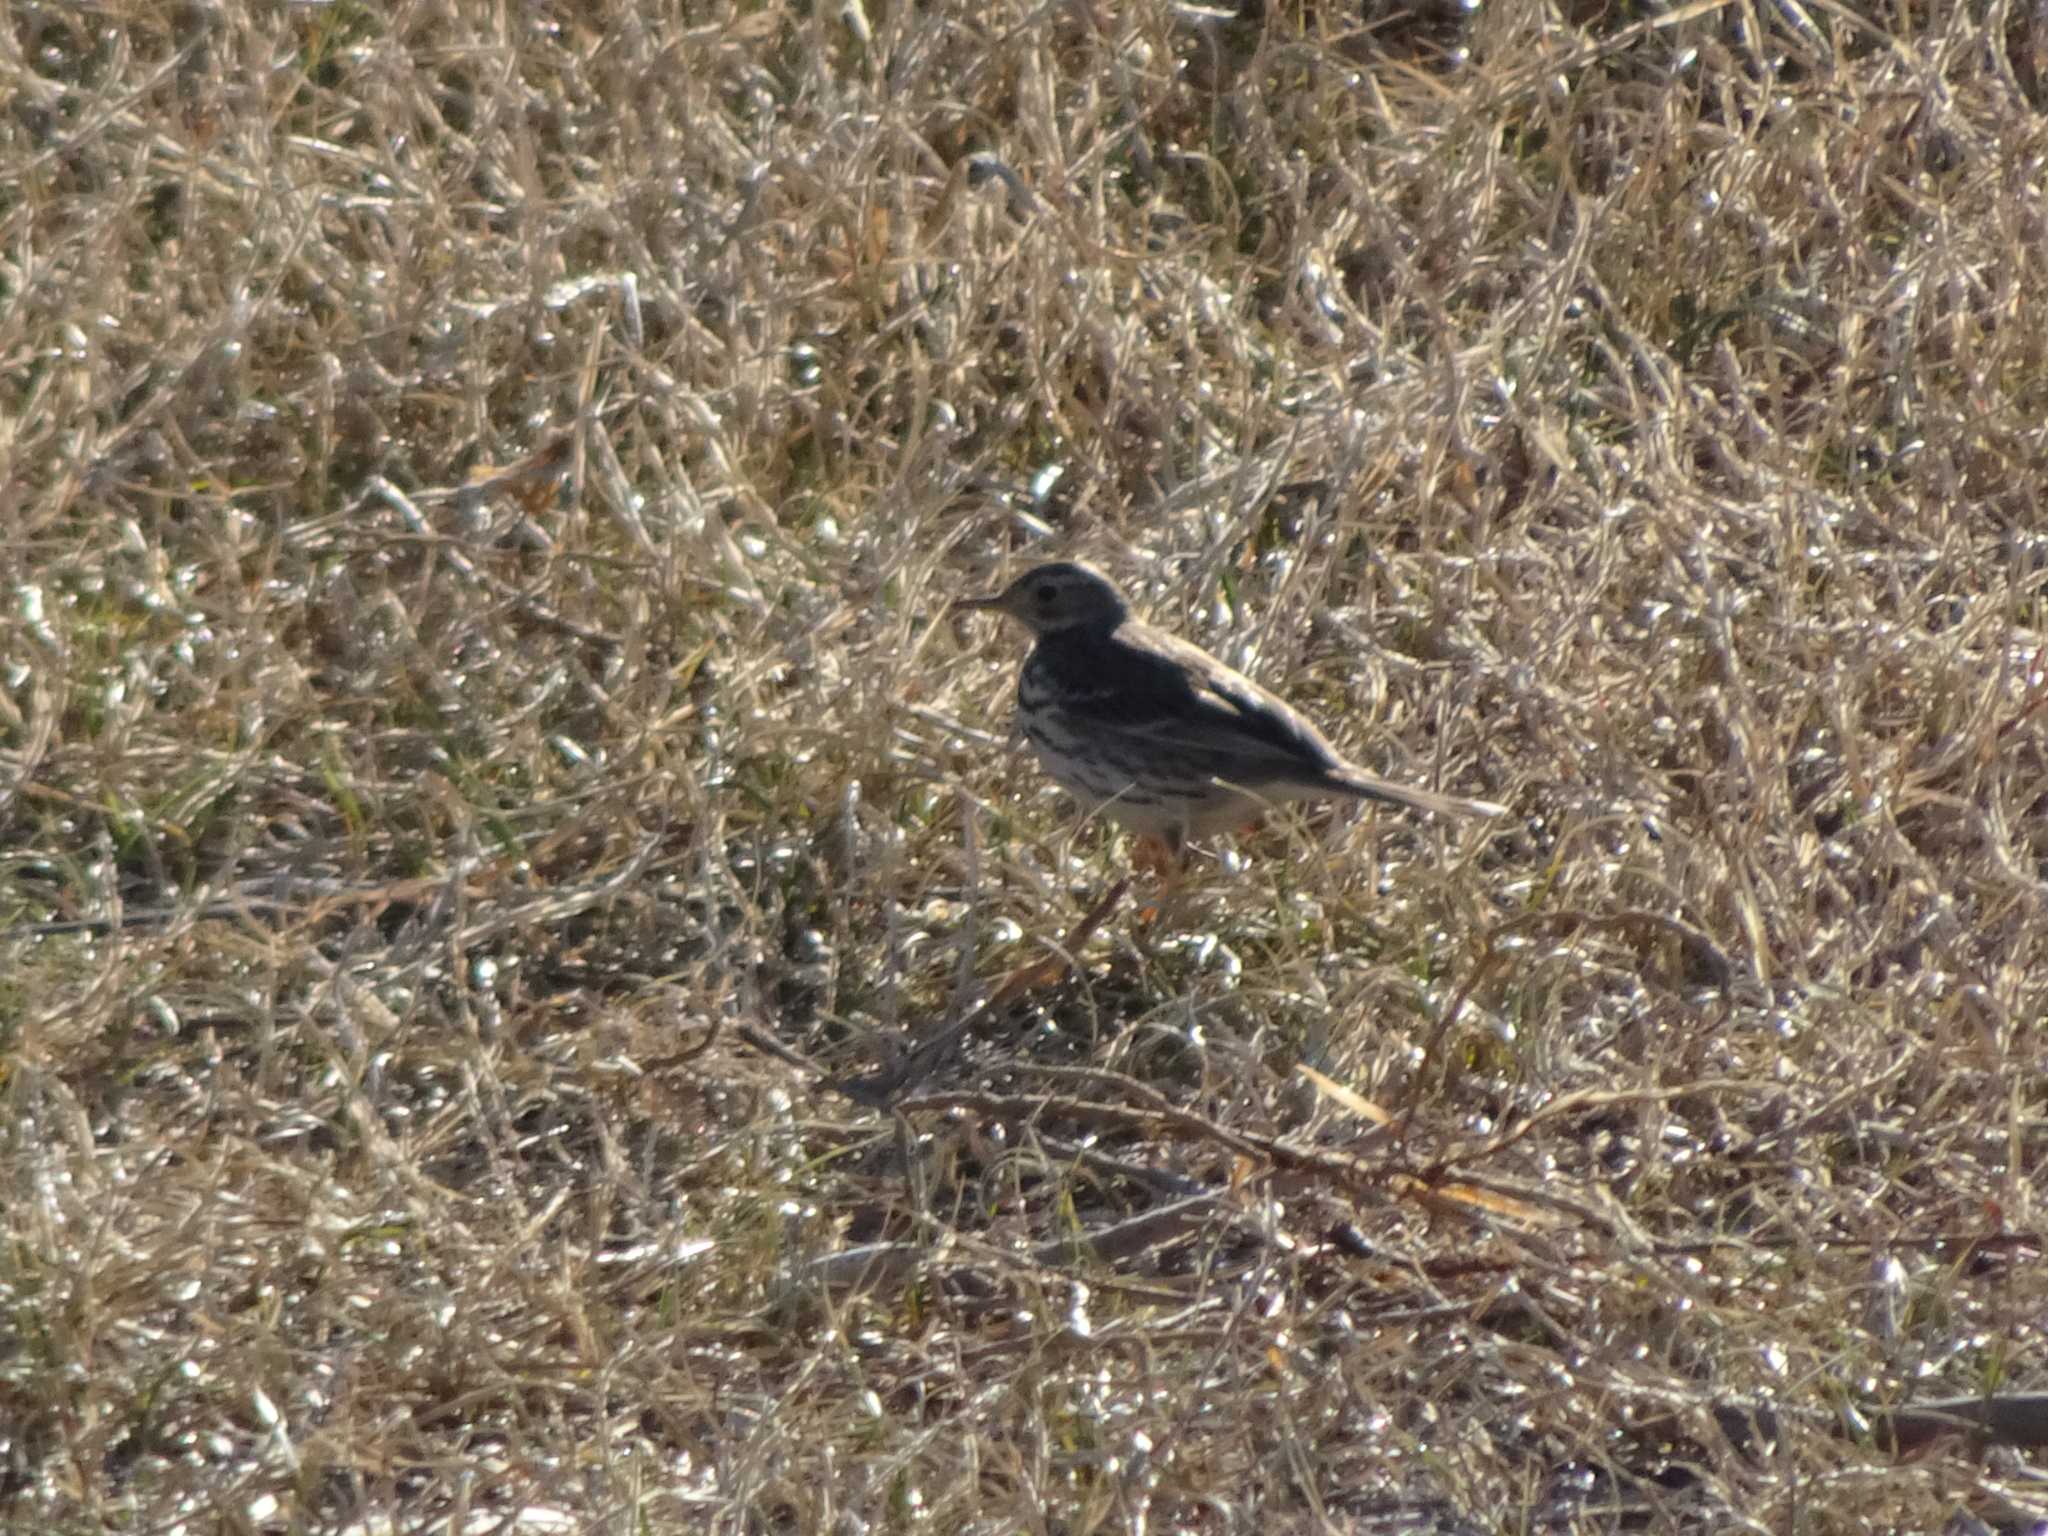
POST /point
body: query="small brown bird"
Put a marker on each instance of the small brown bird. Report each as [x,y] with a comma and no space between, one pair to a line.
[1156,733]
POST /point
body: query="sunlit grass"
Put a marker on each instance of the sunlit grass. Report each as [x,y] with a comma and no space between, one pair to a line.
[505,850]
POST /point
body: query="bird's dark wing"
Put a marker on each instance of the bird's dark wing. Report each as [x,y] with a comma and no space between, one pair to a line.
[1145,696]
[1154,689]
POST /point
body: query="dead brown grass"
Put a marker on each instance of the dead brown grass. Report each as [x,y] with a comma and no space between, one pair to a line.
[483,759]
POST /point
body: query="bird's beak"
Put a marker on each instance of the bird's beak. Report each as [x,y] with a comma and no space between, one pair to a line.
[976,604]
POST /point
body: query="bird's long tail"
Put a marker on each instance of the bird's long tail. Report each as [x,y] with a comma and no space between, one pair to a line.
[1366,786]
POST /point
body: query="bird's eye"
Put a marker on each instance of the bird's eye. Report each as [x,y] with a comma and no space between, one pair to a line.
[1047,595]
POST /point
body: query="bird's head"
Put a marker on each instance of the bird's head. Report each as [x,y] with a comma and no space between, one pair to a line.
[1064,595]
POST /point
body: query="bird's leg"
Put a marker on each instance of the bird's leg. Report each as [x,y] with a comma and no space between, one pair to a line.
[1164,858]
[1159,857]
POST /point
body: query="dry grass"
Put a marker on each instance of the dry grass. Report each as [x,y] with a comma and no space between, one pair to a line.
[482,486]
